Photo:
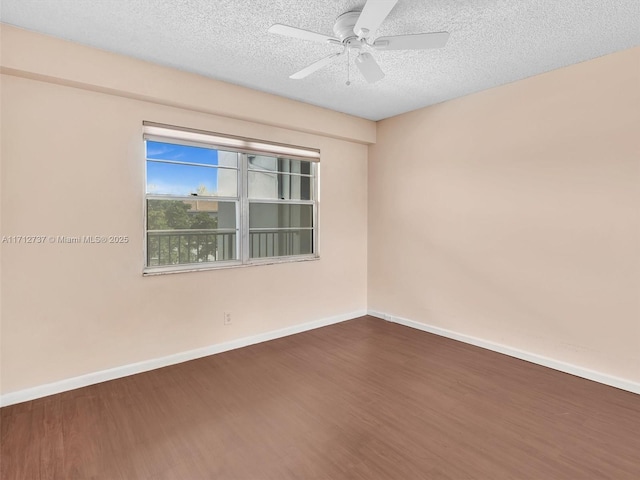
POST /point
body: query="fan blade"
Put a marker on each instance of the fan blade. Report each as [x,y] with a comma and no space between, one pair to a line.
[369,68]
[419,41]
[294,32]
[315,66]
[373,14]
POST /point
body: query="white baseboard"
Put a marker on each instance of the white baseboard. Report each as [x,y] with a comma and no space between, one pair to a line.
[599,377]
[145,366]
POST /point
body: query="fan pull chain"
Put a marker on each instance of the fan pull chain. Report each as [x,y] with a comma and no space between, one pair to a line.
[348,67]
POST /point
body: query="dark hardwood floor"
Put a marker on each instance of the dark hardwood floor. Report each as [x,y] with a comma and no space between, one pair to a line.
[363,399]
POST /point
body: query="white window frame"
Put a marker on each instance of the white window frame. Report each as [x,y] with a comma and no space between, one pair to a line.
[245,147]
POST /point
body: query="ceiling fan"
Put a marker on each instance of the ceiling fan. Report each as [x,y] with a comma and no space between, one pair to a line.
[354,31]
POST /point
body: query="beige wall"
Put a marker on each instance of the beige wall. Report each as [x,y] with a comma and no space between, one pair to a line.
[32,55]
[513,215]
[72,164]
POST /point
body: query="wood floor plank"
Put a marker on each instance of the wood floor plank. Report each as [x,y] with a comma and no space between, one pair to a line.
[51,440]
[363,399]
[19,459]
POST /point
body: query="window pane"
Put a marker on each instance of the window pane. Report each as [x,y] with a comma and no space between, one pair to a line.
[184,180]
[188,248]
[280,243]
[190,215]
[275,164]
[278,215]
[183,153]
[278,186]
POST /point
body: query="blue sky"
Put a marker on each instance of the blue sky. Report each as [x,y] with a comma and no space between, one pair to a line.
[181,153]
[173,179]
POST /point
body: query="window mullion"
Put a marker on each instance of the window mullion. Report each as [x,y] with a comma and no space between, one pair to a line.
[244,208]
[315,196]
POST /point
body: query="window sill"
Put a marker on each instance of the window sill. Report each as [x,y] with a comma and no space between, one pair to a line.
[172,269]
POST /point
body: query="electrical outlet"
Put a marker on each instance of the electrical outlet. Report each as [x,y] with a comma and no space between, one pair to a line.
[227,318]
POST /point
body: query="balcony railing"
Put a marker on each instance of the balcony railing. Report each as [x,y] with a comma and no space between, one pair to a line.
[274,243]
[170,248]
[176,248]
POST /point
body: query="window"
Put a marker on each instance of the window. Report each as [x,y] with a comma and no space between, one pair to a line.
[218,201]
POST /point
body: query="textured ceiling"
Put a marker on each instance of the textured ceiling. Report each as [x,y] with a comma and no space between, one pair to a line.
[492,42]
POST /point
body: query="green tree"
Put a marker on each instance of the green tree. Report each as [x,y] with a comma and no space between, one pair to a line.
[166,248]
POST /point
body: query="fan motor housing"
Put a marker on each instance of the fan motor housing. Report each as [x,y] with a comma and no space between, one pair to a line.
[343,28]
